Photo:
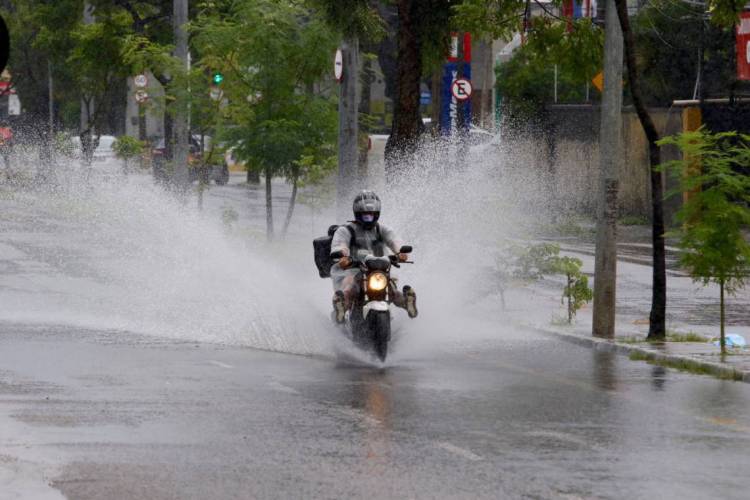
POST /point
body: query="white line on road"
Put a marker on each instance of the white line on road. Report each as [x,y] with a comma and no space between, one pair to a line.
[220,364]
[458,451]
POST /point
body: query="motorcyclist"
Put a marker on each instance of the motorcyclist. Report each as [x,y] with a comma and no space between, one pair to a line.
[370,237]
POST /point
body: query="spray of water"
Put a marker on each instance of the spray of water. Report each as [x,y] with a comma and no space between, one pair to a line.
[117,252]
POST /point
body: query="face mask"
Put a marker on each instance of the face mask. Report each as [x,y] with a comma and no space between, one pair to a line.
[368,218]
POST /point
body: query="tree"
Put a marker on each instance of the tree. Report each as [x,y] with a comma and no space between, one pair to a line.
[680,54]
[97,68]
[576,291]
[725,13]
[716,216]
[273,54]
[525,81]
[422,41]
[127,148]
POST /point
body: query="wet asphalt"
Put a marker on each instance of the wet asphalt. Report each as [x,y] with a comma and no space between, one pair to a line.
[120,416]
[109,414]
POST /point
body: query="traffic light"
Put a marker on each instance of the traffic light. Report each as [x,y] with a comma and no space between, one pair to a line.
[218,78]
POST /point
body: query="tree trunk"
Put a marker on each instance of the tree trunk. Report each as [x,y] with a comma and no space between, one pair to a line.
[407,122]
[570,305]
[290,210]
[722,338]
[269,205]
[657,319]
[253,176]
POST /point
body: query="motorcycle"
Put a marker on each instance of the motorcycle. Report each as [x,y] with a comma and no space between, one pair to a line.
[368,321]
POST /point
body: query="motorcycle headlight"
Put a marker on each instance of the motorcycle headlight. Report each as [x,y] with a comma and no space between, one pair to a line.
[377,282]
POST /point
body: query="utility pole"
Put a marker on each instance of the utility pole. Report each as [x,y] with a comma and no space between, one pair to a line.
[180,129]
[348,127]
[610,154]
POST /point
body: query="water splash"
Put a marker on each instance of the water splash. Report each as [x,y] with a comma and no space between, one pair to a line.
[113,252]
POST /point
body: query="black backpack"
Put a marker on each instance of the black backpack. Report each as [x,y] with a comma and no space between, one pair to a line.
[322,249]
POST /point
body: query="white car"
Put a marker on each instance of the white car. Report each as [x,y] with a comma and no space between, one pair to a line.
[103,152]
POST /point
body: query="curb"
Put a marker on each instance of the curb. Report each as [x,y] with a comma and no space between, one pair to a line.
[676,361]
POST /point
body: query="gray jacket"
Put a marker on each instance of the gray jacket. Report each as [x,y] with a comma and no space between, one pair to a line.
[366,241]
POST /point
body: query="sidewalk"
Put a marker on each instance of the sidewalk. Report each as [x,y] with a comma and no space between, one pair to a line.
[691,310]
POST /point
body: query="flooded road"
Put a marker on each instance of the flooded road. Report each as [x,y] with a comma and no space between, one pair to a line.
[100,414]
[148,351]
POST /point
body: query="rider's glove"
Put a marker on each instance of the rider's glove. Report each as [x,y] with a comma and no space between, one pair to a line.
[403,257]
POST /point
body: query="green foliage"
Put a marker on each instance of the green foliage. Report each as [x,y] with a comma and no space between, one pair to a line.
[716,215]
[493,19]
[576,291]
[272,55]
[127,147]
[526,81]
[352,18]
[532,262]
[669,36]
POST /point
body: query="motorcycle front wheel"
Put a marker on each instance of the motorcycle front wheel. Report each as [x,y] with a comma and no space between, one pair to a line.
[379,326]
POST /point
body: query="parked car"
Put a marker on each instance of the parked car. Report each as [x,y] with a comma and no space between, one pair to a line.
[103,153]
[219,173]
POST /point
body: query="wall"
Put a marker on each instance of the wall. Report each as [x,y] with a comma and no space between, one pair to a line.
[566,144]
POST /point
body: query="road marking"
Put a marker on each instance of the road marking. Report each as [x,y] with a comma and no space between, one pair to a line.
[220,364]
[278,386]
[562,436]
[462,452]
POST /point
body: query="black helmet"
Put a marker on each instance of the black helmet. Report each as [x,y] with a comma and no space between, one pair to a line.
[366,208]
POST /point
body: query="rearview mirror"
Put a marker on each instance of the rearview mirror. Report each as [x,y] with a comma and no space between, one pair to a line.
[405,249]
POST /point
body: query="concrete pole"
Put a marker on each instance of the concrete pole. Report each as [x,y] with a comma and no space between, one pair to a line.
[610,152]
[348,129]
[51,108]
[180,127]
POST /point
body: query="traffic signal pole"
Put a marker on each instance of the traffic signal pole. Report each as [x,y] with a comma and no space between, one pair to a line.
[348,129]
[181,128]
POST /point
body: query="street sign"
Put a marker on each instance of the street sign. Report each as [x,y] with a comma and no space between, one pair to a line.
[461,89]
[338,65]
[743,47]
[216,93]
[140,81]
[141,96]
[14,105]
[598,81]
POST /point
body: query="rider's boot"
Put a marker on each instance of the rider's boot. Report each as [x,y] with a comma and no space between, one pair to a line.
[410,298]
[339,306]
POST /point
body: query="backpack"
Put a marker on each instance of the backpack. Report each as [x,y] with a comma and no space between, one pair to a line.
[322,249]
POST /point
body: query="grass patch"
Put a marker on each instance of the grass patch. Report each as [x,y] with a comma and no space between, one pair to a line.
[671,337]
[686,365]
[634,339]
[686,337]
